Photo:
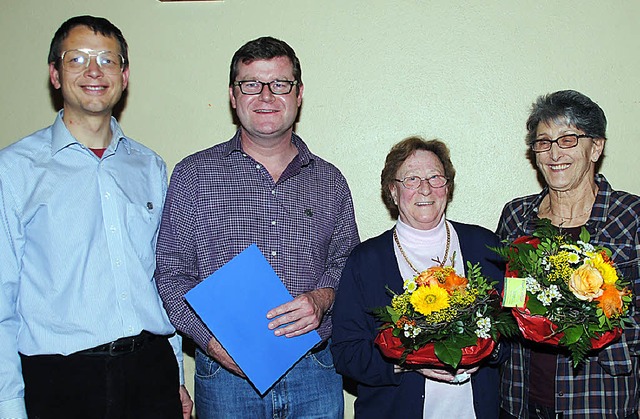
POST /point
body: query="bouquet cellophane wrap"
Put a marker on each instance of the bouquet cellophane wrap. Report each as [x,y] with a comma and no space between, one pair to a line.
[391,347]
[542,330]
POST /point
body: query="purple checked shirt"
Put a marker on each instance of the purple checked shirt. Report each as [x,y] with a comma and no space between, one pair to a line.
[220,200]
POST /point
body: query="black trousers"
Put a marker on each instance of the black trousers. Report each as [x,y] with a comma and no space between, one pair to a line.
[138,385]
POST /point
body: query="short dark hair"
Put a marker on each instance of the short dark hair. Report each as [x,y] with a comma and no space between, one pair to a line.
[97,25]
[567,107]
[401,152]
[264,48]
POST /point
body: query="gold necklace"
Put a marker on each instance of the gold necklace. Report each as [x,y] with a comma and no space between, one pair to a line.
[446,250]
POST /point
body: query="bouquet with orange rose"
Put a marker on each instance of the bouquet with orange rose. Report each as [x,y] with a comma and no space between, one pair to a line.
[443,319]
[575,297]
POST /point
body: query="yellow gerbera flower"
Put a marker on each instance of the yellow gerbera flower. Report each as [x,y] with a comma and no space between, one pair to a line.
[426,300]
[607,271]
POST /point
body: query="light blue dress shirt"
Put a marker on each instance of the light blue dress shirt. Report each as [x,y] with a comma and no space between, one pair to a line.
[77,242]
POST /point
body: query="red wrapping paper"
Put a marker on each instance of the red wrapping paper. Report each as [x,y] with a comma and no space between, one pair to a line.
[540,329]
[391,347]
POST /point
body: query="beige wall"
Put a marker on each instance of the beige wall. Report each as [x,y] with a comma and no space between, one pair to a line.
[375,71]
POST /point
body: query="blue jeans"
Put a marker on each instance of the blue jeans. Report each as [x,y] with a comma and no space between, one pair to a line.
[311,389]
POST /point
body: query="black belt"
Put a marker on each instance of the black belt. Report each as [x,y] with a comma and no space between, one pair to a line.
[122,346]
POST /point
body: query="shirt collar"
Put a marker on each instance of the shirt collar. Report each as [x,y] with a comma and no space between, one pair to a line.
[61,137]
[304,155]
[603,200]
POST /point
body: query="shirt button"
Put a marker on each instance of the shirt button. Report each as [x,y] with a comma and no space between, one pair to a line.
[273,223]
[258,166]
[107,195]
[273,192]
[123,295]
[273,253]
[113,229]
[118,262]
[560,394]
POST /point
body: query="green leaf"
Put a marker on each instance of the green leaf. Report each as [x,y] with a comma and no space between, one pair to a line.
[395,316]
[584,235]
[535,306]
[448,353]
[573,334]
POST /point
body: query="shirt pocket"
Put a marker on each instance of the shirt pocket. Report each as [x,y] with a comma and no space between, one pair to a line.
[142,228]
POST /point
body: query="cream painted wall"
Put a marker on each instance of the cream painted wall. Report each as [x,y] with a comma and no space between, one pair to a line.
[375,71]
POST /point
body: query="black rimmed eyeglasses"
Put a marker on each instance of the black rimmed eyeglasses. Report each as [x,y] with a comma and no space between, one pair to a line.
[254,87]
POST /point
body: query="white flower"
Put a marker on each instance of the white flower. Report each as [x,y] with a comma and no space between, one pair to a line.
[586,247]
[410,285]
[411,331]
[547,295]
[546,265]
[484,327]
[554,292]
[544,299]
[533,286]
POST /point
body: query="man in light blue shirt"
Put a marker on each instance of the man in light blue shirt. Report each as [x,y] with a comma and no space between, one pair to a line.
[83,332]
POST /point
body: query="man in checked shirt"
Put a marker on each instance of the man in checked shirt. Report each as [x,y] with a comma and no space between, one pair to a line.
[263,186]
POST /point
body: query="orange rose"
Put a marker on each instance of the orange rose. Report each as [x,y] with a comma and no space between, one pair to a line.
[443,277]
[427,277]
[586,283]
[454,282]
[611,300]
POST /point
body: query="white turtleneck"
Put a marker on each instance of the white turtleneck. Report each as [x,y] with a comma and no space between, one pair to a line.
[421,248]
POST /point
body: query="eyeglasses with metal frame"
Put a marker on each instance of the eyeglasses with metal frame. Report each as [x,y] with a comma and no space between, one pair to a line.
[77,60]
[254,87]
[414,182]
[564,141]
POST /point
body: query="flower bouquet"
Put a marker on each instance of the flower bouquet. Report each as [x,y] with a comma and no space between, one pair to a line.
[443,319]
[575,297]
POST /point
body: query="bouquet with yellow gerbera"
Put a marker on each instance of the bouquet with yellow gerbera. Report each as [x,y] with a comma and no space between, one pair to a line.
[442,318]
[575,297]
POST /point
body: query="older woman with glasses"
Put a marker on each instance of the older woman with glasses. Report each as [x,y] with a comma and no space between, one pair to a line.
[417,184]
[566,137]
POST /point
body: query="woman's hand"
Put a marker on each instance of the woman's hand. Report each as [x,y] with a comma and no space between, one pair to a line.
[461,375]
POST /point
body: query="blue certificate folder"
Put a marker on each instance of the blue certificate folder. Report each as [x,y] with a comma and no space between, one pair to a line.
[233,302]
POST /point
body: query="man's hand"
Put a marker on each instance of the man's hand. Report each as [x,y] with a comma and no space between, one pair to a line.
[217,352]
[301,315]
[187,403]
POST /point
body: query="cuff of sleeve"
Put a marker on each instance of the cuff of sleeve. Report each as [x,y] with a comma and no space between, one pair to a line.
[176,345]
[327,282]
[202,336]
[13,409]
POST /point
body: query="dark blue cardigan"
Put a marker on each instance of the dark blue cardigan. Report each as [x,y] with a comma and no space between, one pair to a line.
[381,393]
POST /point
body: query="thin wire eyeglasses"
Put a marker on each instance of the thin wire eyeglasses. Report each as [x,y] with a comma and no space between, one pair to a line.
[77,60]
[254,87]
[414,182]
[564,141]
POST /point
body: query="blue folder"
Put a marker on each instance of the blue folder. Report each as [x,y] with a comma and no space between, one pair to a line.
[233,302]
